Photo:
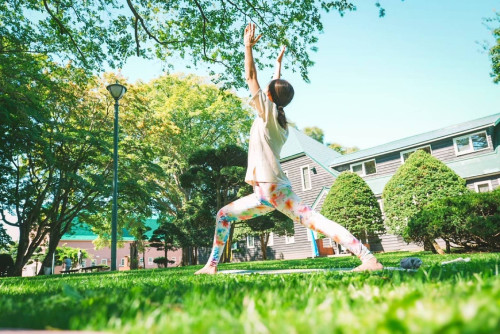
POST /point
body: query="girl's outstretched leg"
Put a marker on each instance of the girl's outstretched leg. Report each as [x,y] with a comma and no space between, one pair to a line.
[285,200]
[242,209]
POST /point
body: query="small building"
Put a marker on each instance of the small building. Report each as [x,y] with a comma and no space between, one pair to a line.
[471,149]
[81,236]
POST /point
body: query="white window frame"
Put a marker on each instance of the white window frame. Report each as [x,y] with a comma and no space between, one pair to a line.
[270,241]
[234,246]
[477,184]
[150,261]
[122,262]
[93,263]
[84,263]
[470,143]
[141,260]
[413,150]
[289,239]
[250,246]
[104,262]
[302,177]
[363,167]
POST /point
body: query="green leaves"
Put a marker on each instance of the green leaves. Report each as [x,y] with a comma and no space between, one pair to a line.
[419,181]
[351,203]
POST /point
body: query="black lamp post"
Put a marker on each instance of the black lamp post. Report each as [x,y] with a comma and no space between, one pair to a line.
[116,90]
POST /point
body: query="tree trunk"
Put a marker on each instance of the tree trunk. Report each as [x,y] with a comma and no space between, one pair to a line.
[47,262]
[438,248]
[134,256]
[21,259]
[448,246]
[428,246]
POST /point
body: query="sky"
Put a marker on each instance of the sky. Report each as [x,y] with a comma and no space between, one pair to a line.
[420,68]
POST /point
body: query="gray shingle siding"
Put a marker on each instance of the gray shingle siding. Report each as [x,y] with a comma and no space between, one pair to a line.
[443,150]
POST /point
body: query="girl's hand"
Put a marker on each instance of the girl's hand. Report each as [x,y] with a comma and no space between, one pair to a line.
[280,56]
[249,36]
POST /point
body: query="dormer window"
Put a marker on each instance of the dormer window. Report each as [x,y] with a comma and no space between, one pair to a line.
[406,154]
[471,143]
[365,168]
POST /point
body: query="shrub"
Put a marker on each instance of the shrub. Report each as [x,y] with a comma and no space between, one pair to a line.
[421,180]
[6,265]
[351,203]
[162,262]
[471,221]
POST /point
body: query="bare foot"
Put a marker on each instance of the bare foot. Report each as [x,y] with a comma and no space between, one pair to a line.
[207,270]
[370,265]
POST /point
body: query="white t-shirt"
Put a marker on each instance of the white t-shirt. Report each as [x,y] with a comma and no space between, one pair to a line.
[267,138]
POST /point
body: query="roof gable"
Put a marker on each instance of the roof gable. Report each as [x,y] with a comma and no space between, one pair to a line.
[299,143]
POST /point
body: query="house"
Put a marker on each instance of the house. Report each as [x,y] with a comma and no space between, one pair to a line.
[81,236]
[471,149]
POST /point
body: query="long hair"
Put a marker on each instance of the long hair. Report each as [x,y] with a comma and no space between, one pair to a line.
[282,94]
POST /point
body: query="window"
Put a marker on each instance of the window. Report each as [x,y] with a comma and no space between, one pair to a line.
[406,154]
[483,187]
[270,241]
[471,143]
[306,177]
[150,260]
[234,246]
[289,239]
[250,241]
[104,262]
[84,263]
[94,262]
[122,262]
[141,260]
[309,234]
[365,168]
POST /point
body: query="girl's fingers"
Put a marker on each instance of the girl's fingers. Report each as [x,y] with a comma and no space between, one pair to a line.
[257,39]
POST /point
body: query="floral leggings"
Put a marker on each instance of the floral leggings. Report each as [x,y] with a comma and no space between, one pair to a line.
[268,197]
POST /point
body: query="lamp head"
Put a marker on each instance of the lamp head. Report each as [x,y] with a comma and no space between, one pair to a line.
[116,90]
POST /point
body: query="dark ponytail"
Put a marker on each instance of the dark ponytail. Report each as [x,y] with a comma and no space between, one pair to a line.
[282,94]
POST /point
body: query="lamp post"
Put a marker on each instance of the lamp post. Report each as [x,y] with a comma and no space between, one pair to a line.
[116,90]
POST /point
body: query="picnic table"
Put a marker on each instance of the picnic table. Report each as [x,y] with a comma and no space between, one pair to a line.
[97,268]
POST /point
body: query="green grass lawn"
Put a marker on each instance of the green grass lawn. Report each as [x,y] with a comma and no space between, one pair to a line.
[456,298]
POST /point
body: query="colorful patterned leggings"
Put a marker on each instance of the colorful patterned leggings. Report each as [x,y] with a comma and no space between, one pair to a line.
[268,197]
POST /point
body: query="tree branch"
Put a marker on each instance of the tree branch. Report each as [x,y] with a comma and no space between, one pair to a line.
[205,20]
[139,18]
[67,31]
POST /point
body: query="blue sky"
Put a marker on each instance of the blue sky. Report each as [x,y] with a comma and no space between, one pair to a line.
[419,68]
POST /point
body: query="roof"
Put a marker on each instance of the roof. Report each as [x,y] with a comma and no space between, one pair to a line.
[82,231]
[416,140]
[299,143]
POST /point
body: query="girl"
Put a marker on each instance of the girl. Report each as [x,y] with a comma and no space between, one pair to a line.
[272,189]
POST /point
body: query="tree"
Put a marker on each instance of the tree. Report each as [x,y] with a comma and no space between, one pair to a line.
[166,237]
[95,33]
[421,180]
[352,204]
[5,240]
[494,51]
[71,253]
[471,220]
[214,179]
[315,133]
[52,162]
[342,149]
[273,222]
